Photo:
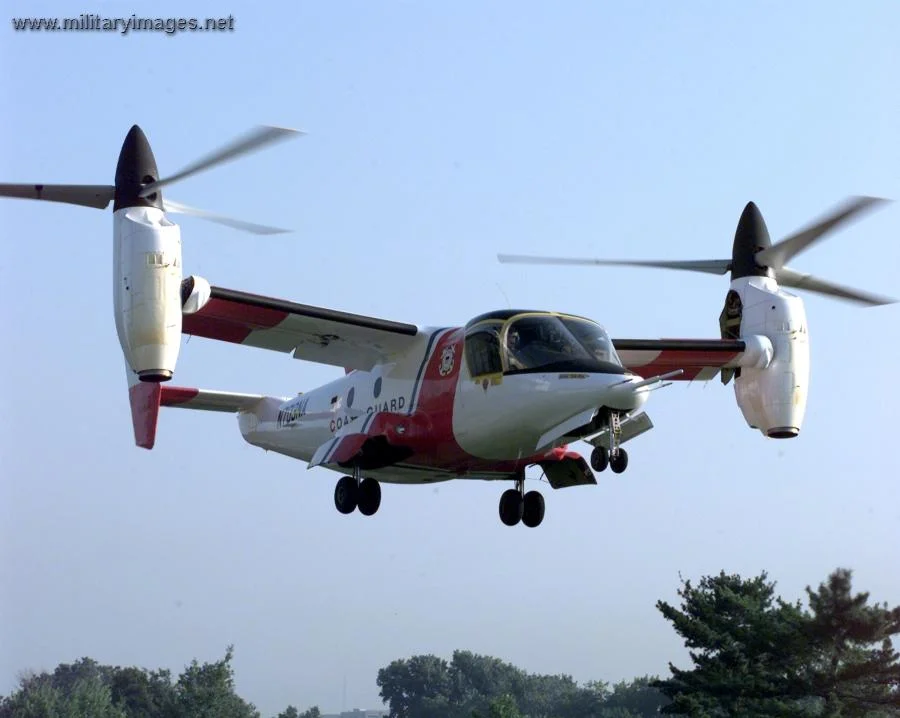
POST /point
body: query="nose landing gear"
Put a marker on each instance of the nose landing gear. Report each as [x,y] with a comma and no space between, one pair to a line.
[615,457]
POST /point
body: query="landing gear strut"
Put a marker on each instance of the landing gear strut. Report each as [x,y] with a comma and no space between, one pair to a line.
[516,505]
[615,457]
[354,492]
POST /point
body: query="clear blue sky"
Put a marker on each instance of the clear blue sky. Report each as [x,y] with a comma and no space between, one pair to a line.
[439,135]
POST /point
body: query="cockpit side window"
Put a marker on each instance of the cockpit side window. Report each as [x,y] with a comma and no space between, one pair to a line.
[483,350]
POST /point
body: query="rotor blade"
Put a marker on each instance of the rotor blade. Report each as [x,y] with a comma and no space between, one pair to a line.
[85,195]
[790,278]
[708,266]
[256,139]
[178,208]
[781,253]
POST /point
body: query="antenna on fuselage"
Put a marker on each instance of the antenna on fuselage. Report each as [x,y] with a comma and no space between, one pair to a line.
[508,305]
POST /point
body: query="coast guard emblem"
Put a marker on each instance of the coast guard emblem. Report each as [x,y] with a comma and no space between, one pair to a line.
[448,357]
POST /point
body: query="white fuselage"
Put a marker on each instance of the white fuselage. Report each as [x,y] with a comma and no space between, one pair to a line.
[473,426]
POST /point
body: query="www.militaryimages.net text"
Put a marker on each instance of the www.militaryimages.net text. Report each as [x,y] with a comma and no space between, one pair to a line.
[91,22]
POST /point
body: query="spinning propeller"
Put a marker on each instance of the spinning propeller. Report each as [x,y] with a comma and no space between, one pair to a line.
[137,181]
[753,254]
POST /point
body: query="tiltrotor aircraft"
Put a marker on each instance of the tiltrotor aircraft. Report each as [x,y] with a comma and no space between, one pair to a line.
[507,390]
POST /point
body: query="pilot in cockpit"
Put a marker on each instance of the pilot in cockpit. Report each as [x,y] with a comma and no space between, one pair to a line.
[594,340]
[514,344]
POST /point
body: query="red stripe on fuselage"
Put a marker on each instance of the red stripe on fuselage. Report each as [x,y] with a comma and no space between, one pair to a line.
[434,407]
[230,321]
[435,443]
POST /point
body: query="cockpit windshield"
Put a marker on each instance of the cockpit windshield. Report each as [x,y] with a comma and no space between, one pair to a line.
[534,341]
[593,338]
[541,340]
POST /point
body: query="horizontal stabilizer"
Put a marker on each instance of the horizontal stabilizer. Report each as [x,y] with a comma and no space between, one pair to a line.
[206,400]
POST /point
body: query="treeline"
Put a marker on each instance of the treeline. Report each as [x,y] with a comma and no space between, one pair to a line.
[473,686]
[753,655]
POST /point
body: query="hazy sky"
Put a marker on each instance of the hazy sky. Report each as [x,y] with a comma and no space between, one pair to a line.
[439,135]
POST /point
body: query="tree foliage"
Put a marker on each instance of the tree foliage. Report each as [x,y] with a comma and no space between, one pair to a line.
[86,688]
[754,654]
[472,685]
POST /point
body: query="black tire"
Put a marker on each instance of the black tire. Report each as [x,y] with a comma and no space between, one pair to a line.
[533,509]
[345,495]
[511,507]
[619,462]
[369,497]
[599,458]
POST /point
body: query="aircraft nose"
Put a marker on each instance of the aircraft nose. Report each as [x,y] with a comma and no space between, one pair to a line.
[624,396]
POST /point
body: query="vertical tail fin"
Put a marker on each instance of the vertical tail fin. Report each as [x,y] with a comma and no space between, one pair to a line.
[144,398]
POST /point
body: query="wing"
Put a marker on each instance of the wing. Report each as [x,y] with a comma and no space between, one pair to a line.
[315,334]
[701,359]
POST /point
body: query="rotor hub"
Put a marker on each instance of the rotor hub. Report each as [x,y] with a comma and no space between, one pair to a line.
[135,170]
[750,238]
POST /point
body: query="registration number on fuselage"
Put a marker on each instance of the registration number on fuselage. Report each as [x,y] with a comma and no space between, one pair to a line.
[292,414]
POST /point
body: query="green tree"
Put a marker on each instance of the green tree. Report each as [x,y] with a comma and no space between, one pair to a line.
[289,712]
[756,655]
[477,679]
[313,712]
[637,697]
[415,688]
[207,691]
[853,668]
[143,693]
[504,707]
[744,643]
[72,695]
[34,698]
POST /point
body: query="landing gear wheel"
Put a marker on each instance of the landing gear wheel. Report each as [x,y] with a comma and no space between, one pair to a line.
[345,495]
[511,507]
[533,509]
[369,498]
[618,462]
[599,459]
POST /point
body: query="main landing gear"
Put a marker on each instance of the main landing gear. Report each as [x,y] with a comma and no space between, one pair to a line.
[354,492]
[614,457]
[516,505]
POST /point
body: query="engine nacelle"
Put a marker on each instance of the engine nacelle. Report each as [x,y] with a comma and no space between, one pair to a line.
[147,290]
[772,399]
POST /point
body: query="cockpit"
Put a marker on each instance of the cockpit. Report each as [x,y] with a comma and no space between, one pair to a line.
[511,342]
